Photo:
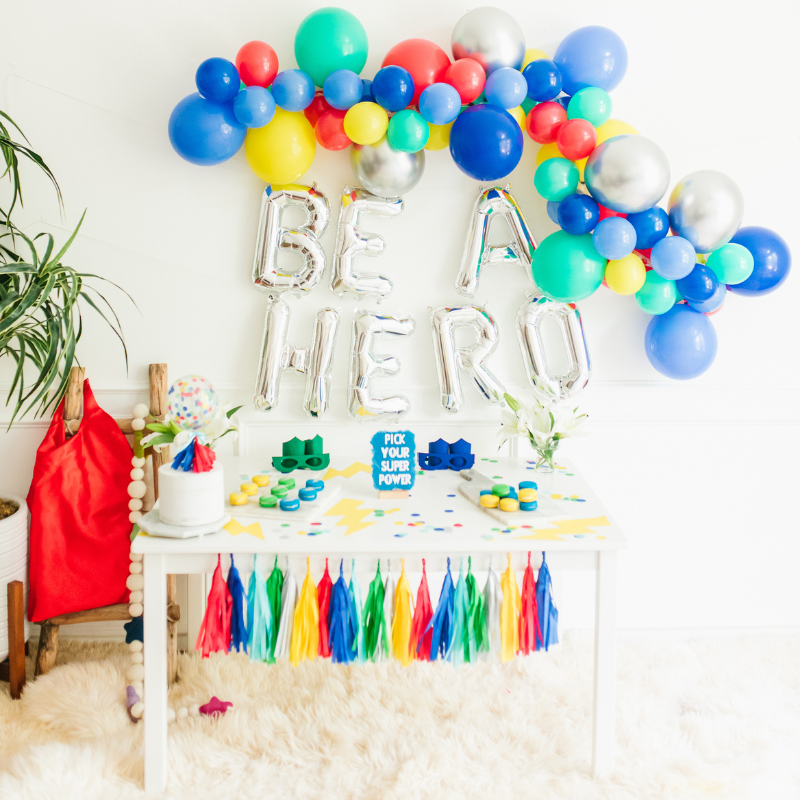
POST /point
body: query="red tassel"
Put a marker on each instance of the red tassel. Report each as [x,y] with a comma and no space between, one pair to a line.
[204,458]
[324,588]
[215,632]
[421,636]
[529,617]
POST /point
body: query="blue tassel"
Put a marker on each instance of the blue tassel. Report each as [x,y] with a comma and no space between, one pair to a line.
[185,458]
[340,624]
[260,622]
[357,620]
[548,613]
[238,627]
[443,619]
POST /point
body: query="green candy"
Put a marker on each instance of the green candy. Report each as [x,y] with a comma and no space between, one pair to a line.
[287,482]
[267,501]
[329,39]
[567,268]
[732,263]
[279,491]
[501,489]
[591,104]
[658,294]
[556,178]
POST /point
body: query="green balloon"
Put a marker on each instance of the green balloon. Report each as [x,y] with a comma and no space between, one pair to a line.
[658,294]
[330,39]
[591,104]
[556,178]
[408,131]
[527,105]
[567,268]
[732,263]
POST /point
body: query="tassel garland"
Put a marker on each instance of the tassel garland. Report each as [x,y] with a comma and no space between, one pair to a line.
[373,619]
[238,627]
[530,635]
[463,634]
[324,588]
[475,609]
[509,613]
[261,624]
[340,627]
[421,636]
[548,613]
[492,608]
[215,631]
[359,645]
[388,609]
[402,622]
[442,621]
[305,631]
[288,603]
[274,589]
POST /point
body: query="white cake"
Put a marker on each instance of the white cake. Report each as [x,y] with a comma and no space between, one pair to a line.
[190,498]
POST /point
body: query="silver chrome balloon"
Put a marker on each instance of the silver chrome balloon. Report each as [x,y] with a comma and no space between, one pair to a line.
[492,204]
[706,208]
[628,173]
[491,36]
[451,358]
[529,333]
[362,404]
[385,171]
[351,243]
[315,362]
[273,238]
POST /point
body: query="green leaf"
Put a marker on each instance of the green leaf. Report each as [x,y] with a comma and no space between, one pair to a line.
[159,440]
[512,403]
[158,427]
[233,411]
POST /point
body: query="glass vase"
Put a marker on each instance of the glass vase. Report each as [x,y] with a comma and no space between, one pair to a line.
[546,463]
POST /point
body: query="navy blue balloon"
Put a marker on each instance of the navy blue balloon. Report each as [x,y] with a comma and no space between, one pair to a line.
[393,88]
[366,91]
[552,210]
[714,303]
[699,285]
[217,79]
[651,225]
[293,90]
[681,343]
[486,142]
[563,101]
[771,256]
[591,56]
[578,214]
[205,132]
[544,80]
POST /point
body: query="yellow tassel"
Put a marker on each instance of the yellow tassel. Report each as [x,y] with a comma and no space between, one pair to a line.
[509,613]
[305,631]
[403,620]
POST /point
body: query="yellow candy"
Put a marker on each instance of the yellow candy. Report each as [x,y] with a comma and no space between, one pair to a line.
[249,488]
[261,480]
[489,500]
[509,504]
[528,495]
[238,499]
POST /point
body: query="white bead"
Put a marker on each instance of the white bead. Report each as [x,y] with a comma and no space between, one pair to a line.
[135,567]
[135,583]
[136,557]
[137,474]
[135,672]
[137,710]
[137,461]
[135,516]
[135,504]
[183,712]
[195,710]
[170,715]
[138,687]
[137,489]
[135,609]
[140,410]
[136,597]
[135,647]
[137,658]
[137,424]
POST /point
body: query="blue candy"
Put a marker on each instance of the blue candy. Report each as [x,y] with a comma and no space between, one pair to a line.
[290,505]
[307,494]
[529,506]
[313,483]
[528,485]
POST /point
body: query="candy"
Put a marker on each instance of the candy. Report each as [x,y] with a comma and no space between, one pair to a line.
[279,491]
[501,489]
[238,499]
[312,483]
[261,480]
[528,495]
[489,500]
[287,482]
[307,494]
[528,485]
[267,501]
[509,504]
[528,506]
[290,505]
[249,488]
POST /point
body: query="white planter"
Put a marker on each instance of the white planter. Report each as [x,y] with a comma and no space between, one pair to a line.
[13,563]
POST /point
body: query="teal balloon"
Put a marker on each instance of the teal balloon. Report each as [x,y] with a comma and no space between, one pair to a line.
[567,268]
[591,104]
[556,178]
[330,39]
[732,263]
[408,132]
[658,294]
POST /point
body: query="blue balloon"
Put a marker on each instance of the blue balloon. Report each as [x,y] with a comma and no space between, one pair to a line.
[651,226]
[681,343]
[486,142]
[254,107]
[578,214]
[217,79]
[366,91]
[552,210]
[713,303]
[614,238]
[544,80]
[771,256]
[699,285]
[673,257]
[563,101]
[506,87]
[342,89]
[439,103]
[591,56]
[393,88]
[293,90]
[205,132]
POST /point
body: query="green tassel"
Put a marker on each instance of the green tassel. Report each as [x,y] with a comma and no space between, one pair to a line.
[476,610]
[373,618]
[274,592]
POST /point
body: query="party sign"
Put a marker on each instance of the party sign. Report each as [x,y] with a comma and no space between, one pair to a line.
[393,458]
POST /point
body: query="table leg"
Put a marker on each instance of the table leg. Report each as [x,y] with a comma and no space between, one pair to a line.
[155,674]
[604,664]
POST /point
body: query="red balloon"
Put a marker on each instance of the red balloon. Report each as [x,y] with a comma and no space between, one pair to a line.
[319,105]
[329,130]
[467,77]
[576,138]
[544,122]
[426,62]
[257,63]
[605,213]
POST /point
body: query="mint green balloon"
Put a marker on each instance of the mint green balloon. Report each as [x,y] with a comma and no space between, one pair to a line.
[527,105]
[732,263]
[591,104]
[567,268]
[408,132]
[556,178]
[329,39]
[658,294]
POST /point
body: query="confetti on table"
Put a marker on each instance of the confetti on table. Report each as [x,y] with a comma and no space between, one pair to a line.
[234,528]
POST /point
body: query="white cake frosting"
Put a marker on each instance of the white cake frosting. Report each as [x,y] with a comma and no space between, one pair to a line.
[190,498]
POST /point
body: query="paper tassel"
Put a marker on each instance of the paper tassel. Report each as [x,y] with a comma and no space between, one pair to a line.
[373,618]
[509,613]
[259,632]
[184,458]
[215,631]
[388,609]
[442,621]
[403,616]
[305,632]
[359,643]
[548,613]
[238,626]
[339,621]
[204,458]
[274,589]
[463,635]
[529,632]
[475,605]
[421,636]
[324,598]
[493,606]
[288,603]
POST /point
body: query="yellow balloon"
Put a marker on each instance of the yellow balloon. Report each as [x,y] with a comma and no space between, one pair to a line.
[283,150]
[365,123]
[551,151]
[439,136]
[625,275]
[519,115]
[532,55]
[614,127]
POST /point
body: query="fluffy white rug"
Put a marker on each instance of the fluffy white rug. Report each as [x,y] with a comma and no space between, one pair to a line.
[694,719]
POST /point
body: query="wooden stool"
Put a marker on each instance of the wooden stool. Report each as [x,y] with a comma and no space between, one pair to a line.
[13,668]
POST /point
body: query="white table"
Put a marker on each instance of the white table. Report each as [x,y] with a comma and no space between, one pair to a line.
[434,523]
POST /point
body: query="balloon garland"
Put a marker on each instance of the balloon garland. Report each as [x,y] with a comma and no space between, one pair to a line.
[601,178]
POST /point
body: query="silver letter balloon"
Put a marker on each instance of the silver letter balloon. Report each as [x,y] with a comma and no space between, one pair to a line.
[315,362]
[451,359]
[385,171]
[303,241]
[493,204]
[529,333]
[365,365]
[490,36]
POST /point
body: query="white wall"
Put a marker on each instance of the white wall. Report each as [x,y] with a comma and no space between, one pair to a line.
[700,475]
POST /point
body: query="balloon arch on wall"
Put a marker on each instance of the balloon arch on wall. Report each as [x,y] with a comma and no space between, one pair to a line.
[602,181]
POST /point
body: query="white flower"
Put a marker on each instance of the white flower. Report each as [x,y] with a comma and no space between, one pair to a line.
[542,421]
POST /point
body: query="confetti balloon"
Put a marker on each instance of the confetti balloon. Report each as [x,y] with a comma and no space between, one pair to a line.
[192,402]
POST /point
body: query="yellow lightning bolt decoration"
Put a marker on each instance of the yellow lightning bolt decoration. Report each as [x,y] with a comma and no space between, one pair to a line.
[234,528]
[352,515]
[348,472]
[567,526]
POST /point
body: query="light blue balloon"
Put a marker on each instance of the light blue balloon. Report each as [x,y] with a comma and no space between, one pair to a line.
[673,257]
[506,87]
[591,56]
[343,89]
[614,237]
[682,343]
[293,90]
[713,303]
[254,107]
[552,210]
[439,104]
